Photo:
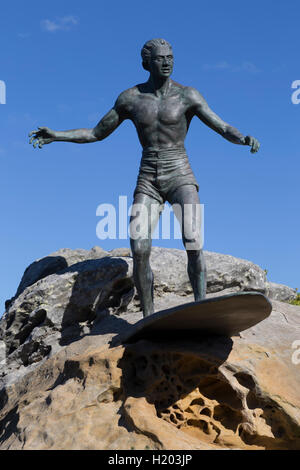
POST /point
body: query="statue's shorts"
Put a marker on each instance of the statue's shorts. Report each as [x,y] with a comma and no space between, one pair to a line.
[162,172]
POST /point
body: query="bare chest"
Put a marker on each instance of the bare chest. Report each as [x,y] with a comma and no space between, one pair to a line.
[149,110]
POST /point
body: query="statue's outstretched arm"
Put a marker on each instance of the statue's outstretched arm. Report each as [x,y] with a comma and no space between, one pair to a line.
[104,128]
[211,119]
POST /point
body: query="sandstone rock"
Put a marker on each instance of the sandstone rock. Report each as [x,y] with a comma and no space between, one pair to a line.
[213,393]
[169,266]
[225,271]
[69,384]
[280,292]
[61,307]
[55,263]
[120,252]
[61,296]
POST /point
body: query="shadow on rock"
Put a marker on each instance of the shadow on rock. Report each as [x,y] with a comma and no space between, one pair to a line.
[173,378]
[180,389]
[8,424]
[100,285]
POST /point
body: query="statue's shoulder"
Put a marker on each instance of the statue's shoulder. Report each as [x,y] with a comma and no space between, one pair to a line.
[126,98]
[177,86]
[190,94]
[128,94]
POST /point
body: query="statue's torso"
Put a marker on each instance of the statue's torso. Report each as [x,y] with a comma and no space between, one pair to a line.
[161,121]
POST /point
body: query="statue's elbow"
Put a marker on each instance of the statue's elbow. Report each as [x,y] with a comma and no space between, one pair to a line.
[96,135]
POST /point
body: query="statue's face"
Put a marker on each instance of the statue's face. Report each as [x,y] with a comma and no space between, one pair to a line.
[161,62]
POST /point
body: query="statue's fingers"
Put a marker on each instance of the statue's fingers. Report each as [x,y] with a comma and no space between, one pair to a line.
[31,133]
[41,144]
[32,139]
[38,142]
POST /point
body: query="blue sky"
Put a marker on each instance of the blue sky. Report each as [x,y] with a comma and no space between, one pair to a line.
[65,63]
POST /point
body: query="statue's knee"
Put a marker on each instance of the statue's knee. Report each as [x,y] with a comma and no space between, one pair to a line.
[193,242]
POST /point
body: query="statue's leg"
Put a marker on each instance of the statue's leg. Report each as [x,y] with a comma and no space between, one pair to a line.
[186,205]
[144,217]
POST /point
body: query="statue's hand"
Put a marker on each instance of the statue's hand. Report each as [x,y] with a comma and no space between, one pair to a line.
[42,136]
[253,143]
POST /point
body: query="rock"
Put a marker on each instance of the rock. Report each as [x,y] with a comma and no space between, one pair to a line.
[121,252]
[214,393]
[67,382]
[55,263]
[64,305]
[169,266]
[62,295]
[280,292]
[223,272]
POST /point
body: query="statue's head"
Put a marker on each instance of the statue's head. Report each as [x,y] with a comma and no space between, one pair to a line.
[157,57]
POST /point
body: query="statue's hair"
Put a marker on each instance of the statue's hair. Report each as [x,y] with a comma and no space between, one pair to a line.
[147,49]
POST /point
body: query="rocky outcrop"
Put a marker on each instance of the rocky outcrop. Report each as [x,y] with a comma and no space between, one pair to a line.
[68,384]
[169,266]
[55,263]
[280,292]
[210,394]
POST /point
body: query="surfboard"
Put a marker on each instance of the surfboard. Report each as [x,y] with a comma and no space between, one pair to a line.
[226,315]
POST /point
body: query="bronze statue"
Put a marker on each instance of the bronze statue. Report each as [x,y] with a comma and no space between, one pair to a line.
[161,111]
